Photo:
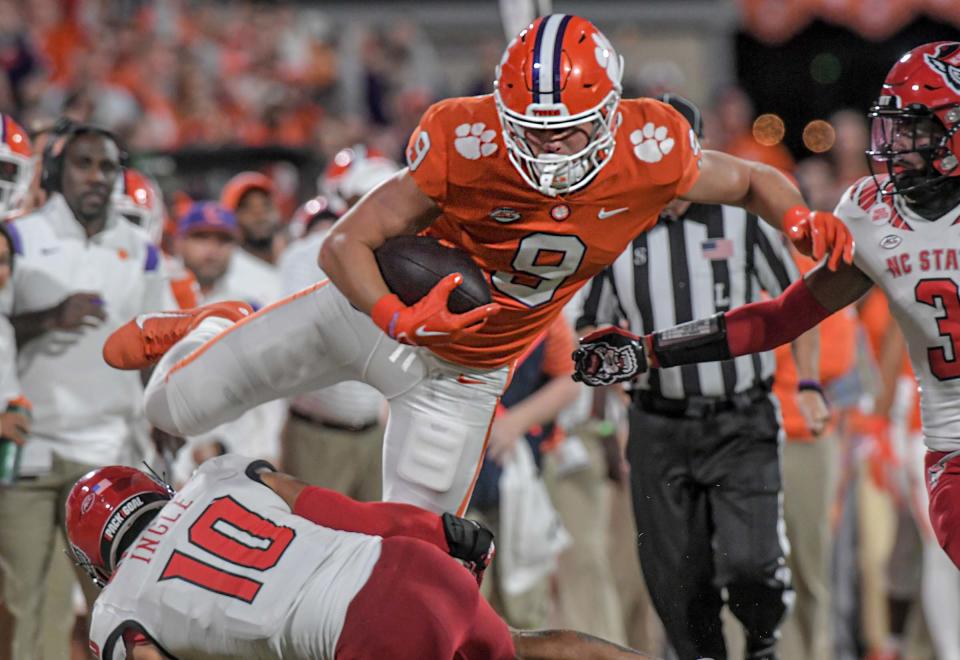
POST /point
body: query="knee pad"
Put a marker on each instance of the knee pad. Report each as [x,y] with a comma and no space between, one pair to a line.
[432,453]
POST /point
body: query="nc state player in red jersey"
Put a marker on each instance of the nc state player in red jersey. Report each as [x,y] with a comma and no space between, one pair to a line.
[544,182]
[246,562]
[907,226]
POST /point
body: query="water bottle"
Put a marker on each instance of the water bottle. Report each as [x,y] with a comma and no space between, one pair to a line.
[9,461]
[10,451]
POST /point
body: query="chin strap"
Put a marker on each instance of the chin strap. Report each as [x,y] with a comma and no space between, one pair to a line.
[934,199]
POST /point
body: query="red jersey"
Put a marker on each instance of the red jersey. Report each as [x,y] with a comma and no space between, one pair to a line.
[538,250]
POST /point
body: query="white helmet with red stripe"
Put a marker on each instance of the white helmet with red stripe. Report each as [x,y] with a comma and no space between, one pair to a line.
[353,172]
[16,164]
[559,72]
[138,199]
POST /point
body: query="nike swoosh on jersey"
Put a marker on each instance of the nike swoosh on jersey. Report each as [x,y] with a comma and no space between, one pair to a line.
[603,214]
[422,332]
[466,380]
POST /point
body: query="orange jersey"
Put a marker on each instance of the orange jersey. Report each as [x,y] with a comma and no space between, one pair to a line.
[538,250]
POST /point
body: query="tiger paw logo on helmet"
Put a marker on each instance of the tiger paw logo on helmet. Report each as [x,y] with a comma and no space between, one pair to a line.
[651,143]
[474,141]
[607,57]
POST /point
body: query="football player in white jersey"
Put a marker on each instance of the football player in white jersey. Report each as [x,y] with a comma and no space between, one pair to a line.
[906,226]
[245,562]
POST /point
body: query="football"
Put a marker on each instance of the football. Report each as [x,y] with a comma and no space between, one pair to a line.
[412,265]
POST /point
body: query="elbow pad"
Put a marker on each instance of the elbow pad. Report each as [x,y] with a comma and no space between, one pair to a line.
[696,341]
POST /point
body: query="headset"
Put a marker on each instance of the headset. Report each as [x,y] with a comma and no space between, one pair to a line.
[63,133]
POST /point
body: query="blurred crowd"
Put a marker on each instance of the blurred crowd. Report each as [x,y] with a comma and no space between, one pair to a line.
[160,76]
[174,74]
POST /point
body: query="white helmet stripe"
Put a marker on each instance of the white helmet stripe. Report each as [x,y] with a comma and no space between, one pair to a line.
[546,56]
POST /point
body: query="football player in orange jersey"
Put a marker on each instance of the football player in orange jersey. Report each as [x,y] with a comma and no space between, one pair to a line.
[543,182]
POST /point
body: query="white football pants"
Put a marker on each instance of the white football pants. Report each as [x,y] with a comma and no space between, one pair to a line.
[440,413]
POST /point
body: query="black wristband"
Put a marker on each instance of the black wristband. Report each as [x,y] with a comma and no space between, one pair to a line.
[811,385]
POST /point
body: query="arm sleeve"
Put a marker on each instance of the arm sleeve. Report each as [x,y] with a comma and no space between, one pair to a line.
[762,326]
[774,265]
[427,154]
[331,509]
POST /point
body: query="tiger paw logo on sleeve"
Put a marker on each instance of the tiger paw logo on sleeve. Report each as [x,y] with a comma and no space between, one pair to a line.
[474,141]
[651,143]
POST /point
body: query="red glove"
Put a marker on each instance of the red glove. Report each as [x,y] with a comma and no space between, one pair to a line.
[814,233]
[428,321]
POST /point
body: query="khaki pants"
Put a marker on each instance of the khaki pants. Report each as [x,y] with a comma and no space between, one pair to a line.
[345,461]
[586,590]
[37,580]
[642,625]
[527,610]
[809,487]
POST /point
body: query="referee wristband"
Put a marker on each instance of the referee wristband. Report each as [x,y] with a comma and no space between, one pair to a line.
[809,385]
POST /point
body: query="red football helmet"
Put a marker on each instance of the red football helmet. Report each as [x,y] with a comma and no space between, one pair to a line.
[918,112]
[557,73]
[103,506]
[138,199]
[16,164]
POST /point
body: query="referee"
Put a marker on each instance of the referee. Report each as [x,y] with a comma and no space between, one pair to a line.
[705,439]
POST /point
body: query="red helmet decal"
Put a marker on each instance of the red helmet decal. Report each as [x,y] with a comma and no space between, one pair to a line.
[946,62]
[100,506]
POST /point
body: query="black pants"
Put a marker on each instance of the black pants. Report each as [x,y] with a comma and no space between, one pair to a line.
[706,497]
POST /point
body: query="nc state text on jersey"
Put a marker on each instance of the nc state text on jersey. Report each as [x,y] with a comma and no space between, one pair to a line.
[924,260]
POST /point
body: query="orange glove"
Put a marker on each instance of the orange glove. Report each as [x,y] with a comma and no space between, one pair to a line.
[882,461]
[429,322]
[814,233]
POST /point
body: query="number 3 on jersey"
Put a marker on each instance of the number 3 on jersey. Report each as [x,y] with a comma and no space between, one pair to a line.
[541,264]
[228,530]
[943,293]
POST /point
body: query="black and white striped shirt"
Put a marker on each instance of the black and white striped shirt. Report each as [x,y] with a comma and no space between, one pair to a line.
[713,259]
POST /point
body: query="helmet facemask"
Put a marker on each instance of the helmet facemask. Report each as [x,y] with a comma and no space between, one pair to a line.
[97,574]
[15,174]
[558,174]
[913,145]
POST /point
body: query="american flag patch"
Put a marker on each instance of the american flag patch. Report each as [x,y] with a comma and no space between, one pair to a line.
[717,248]
[103,484]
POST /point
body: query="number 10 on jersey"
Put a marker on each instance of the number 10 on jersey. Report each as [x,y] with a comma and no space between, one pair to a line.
[231,532]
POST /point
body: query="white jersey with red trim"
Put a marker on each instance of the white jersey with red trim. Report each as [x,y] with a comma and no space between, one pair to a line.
[221,573]
[916,262]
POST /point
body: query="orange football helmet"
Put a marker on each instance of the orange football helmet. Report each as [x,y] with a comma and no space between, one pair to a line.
[16,164]
[137,198]
[559,72]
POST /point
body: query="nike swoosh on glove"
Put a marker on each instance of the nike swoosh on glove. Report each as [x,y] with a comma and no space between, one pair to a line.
[609,355]
[814,233]
[429,322]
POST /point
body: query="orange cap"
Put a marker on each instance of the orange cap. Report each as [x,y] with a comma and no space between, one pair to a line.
[241,184]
